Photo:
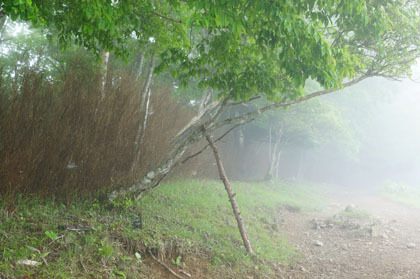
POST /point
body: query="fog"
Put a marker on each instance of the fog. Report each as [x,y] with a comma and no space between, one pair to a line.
[364,136]
[387,129]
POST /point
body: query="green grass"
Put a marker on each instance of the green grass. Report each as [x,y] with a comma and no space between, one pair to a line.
[402,193]
[358,214]
[181,219]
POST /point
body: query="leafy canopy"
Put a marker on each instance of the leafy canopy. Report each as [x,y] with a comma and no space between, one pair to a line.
[242,48]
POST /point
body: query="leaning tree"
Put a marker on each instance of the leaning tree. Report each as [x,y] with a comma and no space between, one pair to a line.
[243,50]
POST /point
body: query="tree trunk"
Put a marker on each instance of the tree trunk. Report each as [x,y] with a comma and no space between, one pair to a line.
[205,100]
[104,66]
[140,67]
[147,82]
[275,152]
[301,165]
[190,134]
[145,98]
[146,115]
[231,195]
[277,167]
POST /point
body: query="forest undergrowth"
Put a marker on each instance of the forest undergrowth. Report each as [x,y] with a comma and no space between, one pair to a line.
[182,223]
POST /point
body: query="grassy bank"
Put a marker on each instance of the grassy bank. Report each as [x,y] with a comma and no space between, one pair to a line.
[183,222]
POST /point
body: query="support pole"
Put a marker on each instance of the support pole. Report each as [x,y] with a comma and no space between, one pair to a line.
[231,195]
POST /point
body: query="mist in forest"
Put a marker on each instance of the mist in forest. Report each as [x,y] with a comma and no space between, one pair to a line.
[364,136]
[387,132]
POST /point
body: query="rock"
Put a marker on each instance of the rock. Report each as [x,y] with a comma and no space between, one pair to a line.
[28,262]
[151,175]
[302,269]
[318,224]
[350,208]
[318,243]
[411,245]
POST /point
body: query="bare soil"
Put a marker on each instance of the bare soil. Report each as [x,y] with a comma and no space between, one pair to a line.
[390,250]
[386,246]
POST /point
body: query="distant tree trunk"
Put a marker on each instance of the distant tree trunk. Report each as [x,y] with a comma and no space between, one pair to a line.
[147,83]
[140,67]
[205,100]
[104,69]
[231,195]
[104,66]
[301,165]
[274,152]
[146,115]
[144,105]
[241,139]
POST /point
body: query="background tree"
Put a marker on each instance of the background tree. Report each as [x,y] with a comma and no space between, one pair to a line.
[309,126]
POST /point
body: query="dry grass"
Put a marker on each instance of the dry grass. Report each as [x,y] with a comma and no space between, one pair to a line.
[61,138]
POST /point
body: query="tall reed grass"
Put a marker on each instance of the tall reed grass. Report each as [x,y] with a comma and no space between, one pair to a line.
[61,137]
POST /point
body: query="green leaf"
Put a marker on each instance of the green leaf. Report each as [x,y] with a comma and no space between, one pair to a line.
[51,235]
[119,273]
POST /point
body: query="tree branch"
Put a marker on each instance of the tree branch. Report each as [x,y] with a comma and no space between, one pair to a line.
[285,104]
[216,140]
[166,17]
[243,102]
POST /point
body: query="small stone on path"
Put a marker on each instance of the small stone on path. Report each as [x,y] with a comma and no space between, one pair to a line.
[318,243]
[350,207]
[411,245]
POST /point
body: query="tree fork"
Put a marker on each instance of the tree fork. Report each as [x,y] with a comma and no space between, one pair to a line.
[231,195]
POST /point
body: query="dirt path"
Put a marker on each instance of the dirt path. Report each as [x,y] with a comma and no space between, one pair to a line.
[390,250]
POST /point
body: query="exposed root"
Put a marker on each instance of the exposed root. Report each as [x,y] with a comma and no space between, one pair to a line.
[165,266]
